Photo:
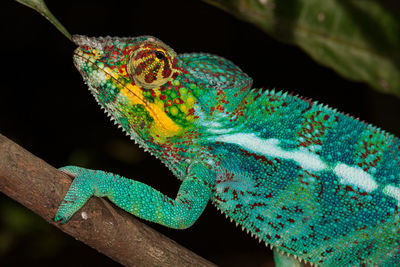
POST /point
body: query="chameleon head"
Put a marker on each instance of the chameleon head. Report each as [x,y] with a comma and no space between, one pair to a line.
[133,79]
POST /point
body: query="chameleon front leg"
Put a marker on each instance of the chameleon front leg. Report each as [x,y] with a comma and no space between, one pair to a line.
[140,199]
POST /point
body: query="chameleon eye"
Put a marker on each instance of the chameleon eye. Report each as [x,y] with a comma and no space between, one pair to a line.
[159,54]
[150,65]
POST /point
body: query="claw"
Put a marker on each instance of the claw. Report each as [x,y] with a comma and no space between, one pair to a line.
[61,219]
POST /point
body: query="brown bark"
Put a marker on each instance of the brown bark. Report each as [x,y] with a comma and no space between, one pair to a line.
[40,187]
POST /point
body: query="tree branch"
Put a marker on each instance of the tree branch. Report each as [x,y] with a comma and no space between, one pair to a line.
[40,187]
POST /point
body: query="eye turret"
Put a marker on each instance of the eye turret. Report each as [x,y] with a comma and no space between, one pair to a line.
[150,65]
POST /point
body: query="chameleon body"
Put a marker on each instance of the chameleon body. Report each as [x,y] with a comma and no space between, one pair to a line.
[300,176]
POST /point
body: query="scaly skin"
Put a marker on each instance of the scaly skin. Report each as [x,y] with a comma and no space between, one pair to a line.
[302,177]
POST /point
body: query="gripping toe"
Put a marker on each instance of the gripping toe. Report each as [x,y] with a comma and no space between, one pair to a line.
[80,191]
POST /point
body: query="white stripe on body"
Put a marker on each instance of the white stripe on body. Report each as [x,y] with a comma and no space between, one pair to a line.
[270,147]
[307,160]
[355,176]
[392,191]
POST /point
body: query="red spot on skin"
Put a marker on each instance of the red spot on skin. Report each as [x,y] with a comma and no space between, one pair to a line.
[229,176]
[303,182]
[257,157]
[108,48]
[320,192]
[257,204]
[289,248]
[127,50]
[245,218]
[254,194]
[166,71]
[235,195]
[349,188]
[297,209]
[141,54]
[174,62]
[178,101]
[219,199]
[260,218]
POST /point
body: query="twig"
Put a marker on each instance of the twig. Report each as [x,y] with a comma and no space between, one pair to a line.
[40,187]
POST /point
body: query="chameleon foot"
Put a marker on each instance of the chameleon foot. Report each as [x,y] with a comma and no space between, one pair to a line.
[80,191]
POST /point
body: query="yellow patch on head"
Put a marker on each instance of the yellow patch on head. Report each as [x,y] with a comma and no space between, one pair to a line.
[163,125]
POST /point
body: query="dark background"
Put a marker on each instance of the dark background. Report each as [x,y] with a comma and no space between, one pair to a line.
[46,108]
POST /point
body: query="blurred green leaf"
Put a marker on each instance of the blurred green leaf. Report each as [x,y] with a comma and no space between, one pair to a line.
[40,6]
[82,157]
[124,151]
[16,218]
[360,39]
[6,242]
[21,228]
